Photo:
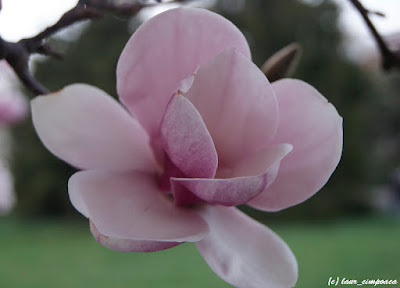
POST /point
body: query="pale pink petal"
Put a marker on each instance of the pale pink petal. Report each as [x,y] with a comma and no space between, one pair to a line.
[237,104]
[128,245]
[186,140]
[165,50]
[76,197]
[90,130]
[314,128]
[245,253]
[131,206]
[239,190]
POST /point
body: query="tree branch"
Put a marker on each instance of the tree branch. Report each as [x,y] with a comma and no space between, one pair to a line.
[17,54]
[17,57]
[389,58]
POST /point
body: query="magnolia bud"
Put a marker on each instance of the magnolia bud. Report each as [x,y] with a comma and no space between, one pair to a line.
[283,63]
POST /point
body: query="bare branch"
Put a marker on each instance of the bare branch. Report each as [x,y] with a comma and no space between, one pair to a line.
[126,9]
[18,57]
[47,50]
[77,14]
[18,54]
[390,59]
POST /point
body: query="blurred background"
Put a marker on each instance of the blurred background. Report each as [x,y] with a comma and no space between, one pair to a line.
[349,229]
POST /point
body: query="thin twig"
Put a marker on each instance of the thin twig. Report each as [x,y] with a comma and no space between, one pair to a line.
[377,13]
[389,58]
[126,8]
[17,56]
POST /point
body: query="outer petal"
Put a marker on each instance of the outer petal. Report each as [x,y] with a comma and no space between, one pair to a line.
[165,50]
[237,104]
[245,253]
[131,206]
[314,128]
[239,190]
[128,245]
[87,128]
[187,141]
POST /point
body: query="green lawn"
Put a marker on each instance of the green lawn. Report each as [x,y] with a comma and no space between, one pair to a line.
[64,254]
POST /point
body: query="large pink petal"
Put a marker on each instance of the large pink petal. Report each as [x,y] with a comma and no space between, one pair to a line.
[238,190]
[165,50]
[90,130]
[245,253]
[187,141]
[314,128]
[131,206]
[128,245]
[237,104]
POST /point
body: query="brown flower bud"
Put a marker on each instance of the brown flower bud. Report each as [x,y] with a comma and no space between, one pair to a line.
[283,63]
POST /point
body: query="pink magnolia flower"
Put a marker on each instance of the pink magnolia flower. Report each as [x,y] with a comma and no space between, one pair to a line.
[205,131]
[13,104]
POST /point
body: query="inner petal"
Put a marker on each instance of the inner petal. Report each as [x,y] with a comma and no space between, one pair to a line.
[186,140]
[237,104]
[250,178]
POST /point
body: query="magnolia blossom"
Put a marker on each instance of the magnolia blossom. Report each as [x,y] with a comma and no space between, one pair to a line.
[13,104]
[13,108]
[204,131]
[7,196]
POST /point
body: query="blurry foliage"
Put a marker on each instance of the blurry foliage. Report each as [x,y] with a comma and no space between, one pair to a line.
[268,26]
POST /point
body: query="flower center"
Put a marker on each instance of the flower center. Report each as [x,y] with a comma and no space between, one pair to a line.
[170,170]
[180,195]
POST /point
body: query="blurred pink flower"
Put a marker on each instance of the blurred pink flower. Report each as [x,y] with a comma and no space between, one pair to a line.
[13,104]
[393,41]
[7,197]
[205,132]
